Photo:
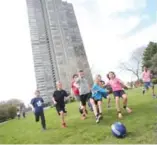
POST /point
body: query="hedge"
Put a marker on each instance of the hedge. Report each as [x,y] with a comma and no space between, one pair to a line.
[7,112]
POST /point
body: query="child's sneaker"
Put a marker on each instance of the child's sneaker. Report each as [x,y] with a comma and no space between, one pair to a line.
[120,116]
[128,110]
[97,119]
[43,129]
[83,117]
[143,91]
[64,125]
[100,116]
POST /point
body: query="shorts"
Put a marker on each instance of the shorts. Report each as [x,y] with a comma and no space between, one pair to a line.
[119,93]
[148,84]
[84,98]
[60,107]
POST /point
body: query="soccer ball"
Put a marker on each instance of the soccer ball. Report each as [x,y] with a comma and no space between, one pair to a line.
[118,130]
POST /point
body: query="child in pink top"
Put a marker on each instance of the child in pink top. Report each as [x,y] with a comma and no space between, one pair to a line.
[118,91]
[146,76]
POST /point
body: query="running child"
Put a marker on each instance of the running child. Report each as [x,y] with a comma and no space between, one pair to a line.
[147,76]
[118,91]
[84,91]
[37,107]
[58,99]
[74,89]
[97,92]
[102,84]
[18,114]
[81,109]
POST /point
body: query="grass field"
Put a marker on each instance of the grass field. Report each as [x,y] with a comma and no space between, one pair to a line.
[141,125]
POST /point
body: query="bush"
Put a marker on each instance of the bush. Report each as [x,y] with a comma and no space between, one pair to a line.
[154,81]
[7,112]
[12,112]
[4,113]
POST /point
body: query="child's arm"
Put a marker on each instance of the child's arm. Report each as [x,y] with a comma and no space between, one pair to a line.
[66,94]
[99,89]
[31,105]
[53,99]
[122,83]
[151,75]
[142,75]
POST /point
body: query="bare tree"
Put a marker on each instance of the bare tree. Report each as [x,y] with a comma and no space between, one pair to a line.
[134,64]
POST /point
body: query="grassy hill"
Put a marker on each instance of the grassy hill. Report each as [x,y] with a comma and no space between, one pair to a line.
[141,125]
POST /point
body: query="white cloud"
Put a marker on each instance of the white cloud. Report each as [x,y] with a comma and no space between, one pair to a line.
[102,35]
[17,74]
[108,7]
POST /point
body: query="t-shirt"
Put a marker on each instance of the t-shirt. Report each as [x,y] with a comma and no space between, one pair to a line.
[59,95]
[115,84]
[37,103]
[146,75]
[98,92]
[74,89]
[18,113]
[83,86]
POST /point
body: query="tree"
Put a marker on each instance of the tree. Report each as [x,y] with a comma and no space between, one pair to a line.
[154,64]
[133,65]
[148,54]
[8,109]
[14,102]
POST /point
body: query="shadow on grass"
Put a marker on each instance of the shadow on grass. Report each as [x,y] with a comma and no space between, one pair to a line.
[130,134]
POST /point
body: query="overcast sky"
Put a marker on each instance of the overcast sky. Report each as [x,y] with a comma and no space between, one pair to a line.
[110,31]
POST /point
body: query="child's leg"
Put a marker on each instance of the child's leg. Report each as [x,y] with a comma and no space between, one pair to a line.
[108,100]
[83,101]
[91,101]
[94,106]
[24,114]
[37,117]
[143,91]
[43,123]
[95,110]
[153,90]
[82,104]
[117,98]
[100,107]
[62,115]
[117,103]
[125,103]
[145,87]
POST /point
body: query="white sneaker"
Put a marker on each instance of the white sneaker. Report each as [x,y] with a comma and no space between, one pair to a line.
[120,116]
[97,120]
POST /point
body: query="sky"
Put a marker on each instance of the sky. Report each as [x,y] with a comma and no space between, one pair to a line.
[110,32]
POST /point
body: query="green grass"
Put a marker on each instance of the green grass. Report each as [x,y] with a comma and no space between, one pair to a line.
[141,125]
